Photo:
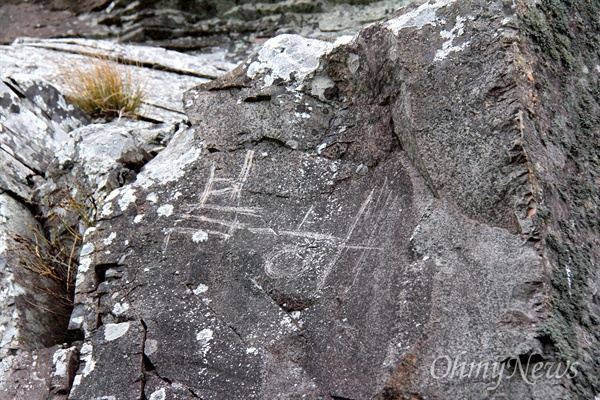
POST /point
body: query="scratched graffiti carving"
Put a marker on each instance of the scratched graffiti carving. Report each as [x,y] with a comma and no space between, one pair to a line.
[221,211]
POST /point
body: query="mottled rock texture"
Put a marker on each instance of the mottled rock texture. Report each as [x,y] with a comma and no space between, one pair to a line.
[202,25]
[411,213]
[346,220]
[56,168]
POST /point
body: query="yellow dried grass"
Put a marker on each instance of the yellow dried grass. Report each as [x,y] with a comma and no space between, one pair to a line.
[105,89]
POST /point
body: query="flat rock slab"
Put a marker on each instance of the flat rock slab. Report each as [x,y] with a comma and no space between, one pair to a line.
[164,74]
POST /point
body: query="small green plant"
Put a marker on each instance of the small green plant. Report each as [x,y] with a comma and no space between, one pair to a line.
[105,89]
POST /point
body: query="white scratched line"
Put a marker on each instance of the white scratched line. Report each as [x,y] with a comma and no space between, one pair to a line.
[310,235]
[211,176]
[252,211]
[219,191]
[348,246]
[357,268]
[329,267]
[247,165]
[166,241]
[263,230]
[233,226]
[306,216]
[363,207]
[244,173]
[217,233]
[343,246]
[383,188]
[374,227]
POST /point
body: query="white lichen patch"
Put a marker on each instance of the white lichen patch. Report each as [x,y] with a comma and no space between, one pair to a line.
[127,198]
[80,279]
[113,195]
[321,147]
[158,395]
[343,40]
[204,337]
[319,85]
[108,241]
[119,308]
[150,347]
[169,167]
[447,46]
[423,15]
[106,210]
[88,232]
[59,360]
[199,236]
[138,218]
[84,264]
[288,57]
[152,198]
[86,357]
[165,210]
[200,289]
[86,249]
[115,331]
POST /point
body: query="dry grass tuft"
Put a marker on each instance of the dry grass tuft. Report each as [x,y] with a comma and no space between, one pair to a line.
[105,89]
[54,254]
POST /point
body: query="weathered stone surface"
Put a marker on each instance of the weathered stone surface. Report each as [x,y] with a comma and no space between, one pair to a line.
[191,25]
[376,217]
[46,373]
[164,74]
[27,134]
[120,346]
[51,160]
[343,218]
[29,316]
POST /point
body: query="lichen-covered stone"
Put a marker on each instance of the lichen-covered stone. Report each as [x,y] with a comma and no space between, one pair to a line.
[45,373]
[411,212]
[343,217]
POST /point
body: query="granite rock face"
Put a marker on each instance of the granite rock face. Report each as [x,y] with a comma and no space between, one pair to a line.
[370,218]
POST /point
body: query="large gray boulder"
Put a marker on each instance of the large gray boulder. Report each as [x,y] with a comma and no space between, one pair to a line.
[402,214]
